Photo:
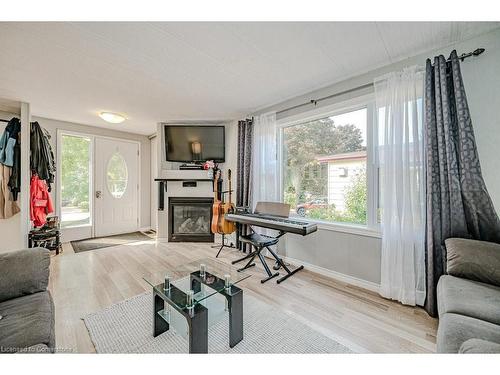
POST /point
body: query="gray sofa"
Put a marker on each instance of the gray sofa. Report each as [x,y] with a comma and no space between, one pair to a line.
[469,298]
[26,306]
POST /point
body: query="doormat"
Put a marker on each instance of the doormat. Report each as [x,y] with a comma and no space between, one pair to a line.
[102,242]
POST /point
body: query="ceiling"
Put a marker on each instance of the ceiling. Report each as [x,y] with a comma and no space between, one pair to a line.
[196,71]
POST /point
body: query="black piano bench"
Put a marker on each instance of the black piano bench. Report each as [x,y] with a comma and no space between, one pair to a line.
[260,242]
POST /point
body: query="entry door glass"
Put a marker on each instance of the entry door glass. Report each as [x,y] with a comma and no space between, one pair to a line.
[117,175]
[76,154]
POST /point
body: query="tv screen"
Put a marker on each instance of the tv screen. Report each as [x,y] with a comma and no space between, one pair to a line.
[186,143]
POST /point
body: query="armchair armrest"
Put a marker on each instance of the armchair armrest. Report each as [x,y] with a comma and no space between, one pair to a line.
[478,346]
[473,260]
[23,272]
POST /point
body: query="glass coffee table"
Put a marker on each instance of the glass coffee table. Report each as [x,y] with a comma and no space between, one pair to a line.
[200,293]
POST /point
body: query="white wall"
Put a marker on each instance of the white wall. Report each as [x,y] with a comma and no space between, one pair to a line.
[482,85]
[358,256]
[153,184]
[53,125]
[10,229]
[14,231]
[231,163]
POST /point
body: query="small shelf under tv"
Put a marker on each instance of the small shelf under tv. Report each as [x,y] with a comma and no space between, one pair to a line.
[182,179]
[179,176]
[184,174]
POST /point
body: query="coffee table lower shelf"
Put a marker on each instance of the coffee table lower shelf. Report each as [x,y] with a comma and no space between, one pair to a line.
[197,315]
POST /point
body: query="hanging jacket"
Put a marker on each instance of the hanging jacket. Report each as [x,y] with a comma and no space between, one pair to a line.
[3,146]
[8,207]
[40,201]
[8,142]
[15,177]
[42,158]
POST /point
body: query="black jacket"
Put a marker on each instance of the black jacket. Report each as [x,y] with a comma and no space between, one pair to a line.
[15,177]
[42,158]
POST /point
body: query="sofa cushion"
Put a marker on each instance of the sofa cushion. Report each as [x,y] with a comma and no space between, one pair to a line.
[27,321]
[470,298]
[473,260]
[478,346]
[455,329]
[23,272]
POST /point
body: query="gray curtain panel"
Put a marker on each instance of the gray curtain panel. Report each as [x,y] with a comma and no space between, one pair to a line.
[458,204]
[244,169]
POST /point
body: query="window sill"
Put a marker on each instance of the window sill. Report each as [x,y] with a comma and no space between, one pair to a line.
[359,230]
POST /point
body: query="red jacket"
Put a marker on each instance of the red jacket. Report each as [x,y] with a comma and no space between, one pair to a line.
[40,201]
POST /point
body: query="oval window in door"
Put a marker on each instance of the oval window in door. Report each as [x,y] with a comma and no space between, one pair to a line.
[117,175]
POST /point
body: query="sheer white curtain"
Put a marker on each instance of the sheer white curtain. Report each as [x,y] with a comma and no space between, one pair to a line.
[399,103]
[264,159]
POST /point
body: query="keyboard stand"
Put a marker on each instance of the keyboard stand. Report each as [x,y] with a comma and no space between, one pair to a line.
[280,264]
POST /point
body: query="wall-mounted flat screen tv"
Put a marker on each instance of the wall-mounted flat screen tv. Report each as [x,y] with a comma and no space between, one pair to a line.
[194,143]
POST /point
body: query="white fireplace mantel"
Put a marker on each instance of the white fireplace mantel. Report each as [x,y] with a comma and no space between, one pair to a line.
[175,188]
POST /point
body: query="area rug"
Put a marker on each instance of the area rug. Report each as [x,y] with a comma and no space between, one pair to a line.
[101,242]
[126,327]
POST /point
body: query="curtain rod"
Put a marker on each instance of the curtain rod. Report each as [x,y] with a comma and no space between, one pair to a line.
[314,102]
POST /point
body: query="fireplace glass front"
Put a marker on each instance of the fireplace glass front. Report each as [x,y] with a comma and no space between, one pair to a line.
[189,220]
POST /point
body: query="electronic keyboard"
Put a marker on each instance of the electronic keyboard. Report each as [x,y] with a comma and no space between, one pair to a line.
[273,222]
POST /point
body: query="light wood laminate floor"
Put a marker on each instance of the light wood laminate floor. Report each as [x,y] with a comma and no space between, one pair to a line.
[362,320]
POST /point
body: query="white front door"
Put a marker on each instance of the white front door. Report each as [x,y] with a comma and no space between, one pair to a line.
[116,187]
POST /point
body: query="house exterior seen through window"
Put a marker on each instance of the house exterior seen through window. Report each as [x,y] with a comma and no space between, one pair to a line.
[324,168]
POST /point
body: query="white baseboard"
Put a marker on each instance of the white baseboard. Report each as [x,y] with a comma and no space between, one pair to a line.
[369,285]
[144,229]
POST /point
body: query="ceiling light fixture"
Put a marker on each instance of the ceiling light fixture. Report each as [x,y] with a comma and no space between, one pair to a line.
[114,118]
